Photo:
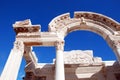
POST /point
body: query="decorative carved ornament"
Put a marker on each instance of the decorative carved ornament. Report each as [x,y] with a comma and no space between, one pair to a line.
[18,45]
[25,26]
[116,43]
[63,21]
[59,45]
[80,57]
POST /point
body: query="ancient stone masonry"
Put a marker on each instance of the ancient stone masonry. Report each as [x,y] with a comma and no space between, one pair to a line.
[13,63]
[25,26]
[68,65]
[18,45]
[81,57]
[59,45]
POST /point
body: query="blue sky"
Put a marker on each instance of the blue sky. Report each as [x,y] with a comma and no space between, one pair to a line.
[42,12]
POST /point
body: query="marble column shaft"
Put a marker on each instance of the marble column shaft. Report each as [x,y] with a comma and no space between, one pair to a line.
[12,65]
[59,67]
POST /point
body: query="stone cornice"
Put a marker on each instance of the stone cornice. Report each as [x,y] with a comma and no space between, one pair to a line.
[63,21]
[33,28]
[25,26]
[99,18]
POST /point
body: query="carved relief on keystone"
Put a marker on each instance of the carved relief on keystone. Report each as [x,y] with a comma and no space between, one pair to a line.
[82,21]
[18,45]
[59,45]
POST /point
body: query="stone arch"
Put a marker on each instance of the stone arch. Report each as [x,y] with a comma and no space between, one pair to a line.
[28,35]
[108,28]
[94,22]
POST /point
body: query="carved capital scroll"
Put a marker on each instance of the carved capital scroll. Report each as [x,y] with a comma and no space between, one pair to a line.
[18,45]
[59,45]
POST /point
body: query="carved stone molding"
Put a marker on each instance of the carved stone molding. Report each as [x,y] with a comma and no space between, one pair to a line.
[19,45]
[25,26]
[82,21]
[81,57]
[24,22]
[116,43]
[59,24]
[59,45]
[98,17]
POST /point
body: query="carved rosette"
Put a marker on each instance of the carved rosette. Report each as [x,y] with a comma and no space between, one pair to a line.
[18,45]
[59,45]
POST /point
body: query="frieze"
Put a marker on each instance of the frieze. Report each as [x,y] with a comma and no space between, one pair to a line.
[58,23]
[80,57]
[98,17]
[25,26]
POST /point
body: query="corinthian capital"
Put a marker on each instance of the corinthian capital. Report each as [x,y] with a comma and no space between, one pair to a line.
[59,45]
[18,45]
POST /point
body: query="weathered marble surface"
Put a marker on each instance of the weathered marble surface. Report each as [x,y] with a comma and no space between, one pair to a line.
[81,57]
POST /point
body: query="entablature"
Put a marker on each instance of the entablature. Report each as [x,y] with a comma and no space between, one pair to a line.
[38,38]
[25,27]
[31,35]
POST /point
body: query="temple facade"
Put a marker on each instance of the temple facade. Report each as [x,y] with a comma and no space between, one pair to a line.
[68,65]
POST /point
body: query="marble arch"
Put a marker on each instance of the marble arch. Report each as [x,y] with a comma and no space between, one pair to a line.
[28,35]
[105,26]
[95,22]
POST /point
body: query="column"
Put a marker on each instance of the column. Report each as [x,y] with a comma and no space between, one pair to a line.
[12,66]
[116,49]
[59,66]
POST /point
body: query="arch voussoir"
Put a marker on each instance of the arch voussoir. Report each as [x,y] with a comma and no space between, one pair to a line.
[105,26]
